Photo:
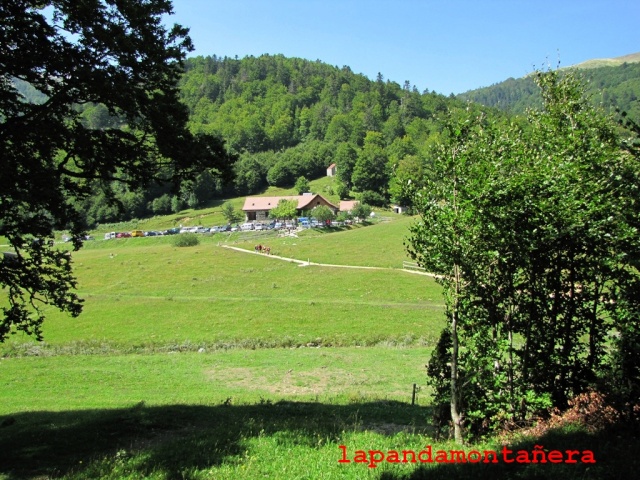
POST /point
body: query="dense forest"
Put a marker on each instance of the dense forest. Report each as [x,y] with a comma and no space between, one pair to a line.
[288,117]
[612,87]
[285,118]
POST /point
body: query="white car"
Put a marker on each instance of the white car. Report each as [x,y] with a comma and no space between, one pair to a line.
[246,227]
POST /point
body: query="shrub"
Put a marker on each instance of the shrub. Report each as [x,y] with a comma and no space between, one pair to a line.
[186,240]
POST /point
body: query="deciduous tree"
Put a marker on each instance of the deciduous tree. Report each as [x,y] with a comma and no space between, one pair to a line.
[302,185]
[230,213]
[534,234]
[116,54]
[322,214]
[286,209]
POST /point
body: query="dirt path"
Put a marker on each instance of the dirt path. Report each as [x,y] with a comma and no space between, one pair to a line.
[302,263]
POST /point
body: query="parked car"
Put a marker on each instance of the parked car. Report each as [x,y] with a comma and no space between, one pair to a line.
[202,230]
[172,231]
[235,228]
[110,235]
[258,226]
[123,235]
[137,233]
[246,227]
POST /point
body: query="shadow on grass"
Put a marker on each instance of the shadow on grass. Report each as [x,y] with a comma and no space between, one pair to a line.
[616,453]
[174,439]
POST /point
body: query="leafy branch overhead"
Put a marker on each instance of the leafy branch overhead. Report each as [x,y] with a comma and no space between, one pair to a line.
[118,55]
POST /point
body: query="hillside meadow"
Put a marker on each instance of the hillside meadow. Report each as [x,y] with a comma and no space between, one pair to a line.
[210,363]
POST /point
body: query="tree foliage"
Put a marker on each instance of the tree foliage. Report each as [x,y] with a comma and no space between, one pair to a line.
[361,211]
[285,210]
[230,214]
[534,235]
[117,55]
[322,214]
[285,118]
[302,185]
[307,115]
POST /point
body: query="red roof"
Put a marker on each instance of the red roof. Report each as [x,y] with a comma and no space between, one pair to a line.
[267,203]
[348,205]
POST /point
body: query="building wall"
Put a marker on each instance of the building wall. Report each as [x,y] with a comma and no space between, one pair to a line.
[317,202]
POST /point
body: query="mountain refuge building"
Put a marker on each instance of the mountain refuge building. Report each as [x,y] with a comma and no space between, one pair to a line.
[257,208]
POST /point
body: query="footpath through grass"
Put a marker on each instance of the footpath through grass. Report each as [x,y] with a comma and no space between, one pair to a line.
[146,294]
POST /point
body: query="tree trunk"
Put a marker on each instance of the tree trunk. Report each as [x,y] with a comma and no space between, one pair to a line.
[456,415]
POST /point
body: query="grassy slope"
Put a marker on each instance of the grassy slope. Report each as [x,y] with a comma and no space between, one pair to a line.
[378,246]
[608,62]
[330,375]
[143,291]
[144,403]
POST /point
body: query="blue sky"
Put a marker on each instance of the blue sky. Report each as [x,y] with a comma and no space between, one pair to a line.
[447,46]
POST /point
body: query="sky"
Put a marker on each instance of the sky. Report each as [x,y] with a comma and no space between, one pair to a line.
[447,46]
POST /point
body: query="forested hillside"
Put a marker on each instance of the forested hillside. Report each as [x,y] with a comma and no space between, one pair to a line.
[613,87]
[285,118]
[288,117]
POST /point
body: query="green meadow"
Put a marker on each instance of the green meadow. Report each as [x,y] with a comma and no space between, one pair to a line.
[210,363]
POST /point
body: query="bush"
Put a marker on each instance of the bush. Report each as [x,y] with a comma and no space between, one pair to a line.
[186,240]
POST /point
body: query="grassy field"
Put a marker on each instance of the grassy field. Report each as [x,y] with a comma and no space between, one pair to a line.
[142,291]
[209,363]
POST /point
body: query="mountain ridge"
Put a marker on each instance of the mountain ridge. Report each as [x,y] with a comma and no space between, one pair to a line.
[613,84]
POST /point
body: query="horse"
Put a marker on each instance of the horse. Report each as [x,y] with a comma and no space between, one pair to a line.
[266,250]
[258,248]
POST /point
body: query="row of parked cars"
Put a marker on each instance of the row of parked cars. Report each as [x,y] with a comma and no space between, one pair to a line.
[245,227]
[140,233]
